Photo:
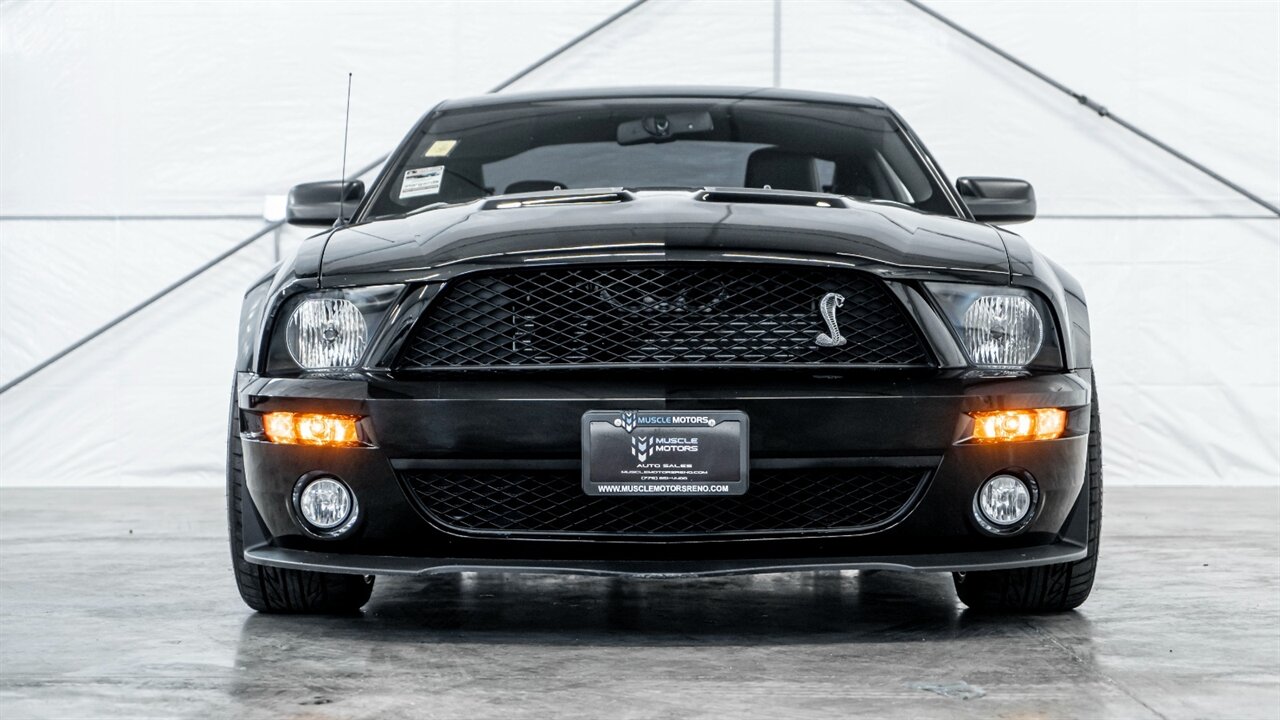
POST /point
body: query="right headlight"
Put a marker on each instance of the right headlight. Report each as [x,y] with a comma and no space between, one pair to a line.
[329,329]
[1000,327]
[326,333]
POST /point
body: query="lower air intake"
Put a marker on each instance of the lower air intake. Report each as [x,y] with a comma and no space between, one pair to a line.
[551,502]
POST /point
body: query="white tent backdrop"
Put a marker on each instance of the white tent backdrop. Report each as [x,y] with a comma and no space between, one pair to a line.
[174,109]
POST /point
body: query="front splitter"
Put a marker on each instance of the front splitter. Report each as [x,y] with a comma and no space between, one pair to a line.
[1063,551]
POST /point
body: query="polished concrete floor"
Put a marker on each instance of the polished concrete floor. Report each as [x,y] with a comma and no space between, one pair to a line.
[119,603]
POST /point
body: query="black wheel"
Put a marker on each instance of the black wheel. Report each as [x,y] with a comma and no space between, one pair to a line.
[1049,588]
[278,590]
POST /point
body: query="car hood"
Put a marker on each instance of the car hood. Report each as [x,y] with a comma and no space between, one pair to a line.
[614,225]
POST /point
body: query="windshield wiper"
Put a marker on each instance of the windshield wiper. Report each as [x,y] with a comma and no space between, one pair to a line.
[662,187]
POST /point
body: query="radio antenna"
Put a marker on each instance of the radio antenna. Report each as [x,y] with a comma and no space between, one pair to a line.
[342,191]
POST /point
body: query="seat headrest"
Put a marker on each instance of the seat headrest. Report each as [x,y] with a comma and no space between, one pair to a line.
[782,170]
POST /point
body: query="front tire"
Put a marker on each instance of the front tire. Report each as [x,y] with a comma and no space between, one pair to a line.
[1048,588]
[280,590]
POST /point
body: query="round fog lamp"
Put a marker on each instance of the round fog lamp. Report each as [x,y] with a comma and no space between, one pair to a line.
[1004,500]
[325,503]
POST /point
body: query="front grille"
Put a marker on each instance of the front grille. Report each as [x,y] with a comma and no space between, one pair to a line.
[552,502]
[735,314]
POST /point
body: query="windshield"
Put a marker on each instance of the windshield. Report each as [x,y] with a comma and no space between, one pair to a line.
[465,154]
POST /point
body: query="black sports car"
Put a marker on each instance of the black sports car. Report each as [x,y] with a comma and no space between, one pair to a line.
[664,331]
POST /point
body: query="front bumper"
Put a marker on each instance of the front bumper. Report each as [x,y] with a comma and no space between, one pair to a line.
[797,421]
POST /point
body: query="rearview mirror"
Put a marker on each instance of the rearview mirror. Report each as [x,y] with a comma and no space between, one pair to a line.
[664,128]
[998,200]
[320,203]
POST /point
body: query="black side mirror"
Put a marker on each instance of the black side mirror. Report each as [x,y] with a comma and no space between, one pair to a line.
[998,200]
[319,203]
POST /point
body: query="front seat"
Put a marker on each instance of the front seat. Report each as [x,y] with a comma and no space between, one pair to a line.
[782,170]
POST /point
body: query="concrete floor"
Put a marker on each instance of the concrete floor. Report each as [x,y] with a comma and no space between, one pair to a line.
[120,603]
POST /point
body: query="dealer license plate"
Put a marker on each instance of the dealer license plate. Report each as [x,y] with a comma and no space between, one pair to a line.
[646,452]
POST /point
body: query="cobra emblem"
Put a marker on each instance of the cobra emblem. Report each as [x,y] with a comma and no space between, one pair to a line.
[827,306]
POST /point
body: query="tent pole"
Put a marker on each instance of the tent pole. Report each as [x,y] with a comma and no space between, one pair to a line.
[144,304]
[1090,103]
[269,227]
[777,43]
[567,46]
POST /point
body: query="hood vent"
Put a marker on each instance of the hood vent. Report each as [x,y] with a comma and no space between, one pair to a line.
[557,198]
[771,197]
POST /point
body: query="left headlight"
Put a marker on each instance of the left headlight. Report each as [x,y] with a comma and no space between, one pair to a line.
[330,329]
[1000,327]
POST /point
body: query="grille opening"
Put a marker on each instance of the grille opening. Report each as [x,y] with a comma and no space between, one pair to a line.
[659,315]
[551,502]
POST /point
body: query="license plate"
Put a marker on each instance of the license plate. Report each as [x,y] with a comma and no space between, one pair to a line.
[664,453]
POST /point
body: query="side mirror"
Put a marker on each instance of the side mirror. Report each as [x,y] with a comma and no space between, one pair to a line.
[318,203]
[998,200]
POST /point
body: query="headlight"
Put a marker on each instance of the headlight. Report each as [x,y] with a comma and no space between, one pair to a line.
[330,329]
[326,333]
[1000,327]
[1002,330]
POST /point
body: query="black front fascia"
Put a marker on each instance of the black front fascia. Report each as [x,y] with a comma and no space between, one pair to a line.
[798,420]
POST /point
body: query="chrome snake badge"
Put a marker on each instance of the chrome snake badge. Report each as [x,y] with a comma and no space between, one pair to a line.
[827,306]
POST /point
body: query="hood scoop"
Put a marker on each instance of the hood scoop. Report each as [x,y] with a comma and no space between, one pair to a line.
[558,198]
[764,196]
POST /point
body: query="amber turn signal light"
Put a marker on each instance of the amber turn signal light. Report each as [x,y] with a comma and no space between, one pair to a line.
[310,429]
[1017,425]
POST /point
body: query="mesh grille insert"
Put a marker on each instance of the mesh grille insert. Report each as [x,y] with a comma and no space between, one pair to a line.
[661,315]
[552,502]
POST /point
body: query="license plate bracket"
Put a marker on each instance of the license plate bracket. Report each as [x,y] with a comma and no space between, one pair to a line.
[661,452]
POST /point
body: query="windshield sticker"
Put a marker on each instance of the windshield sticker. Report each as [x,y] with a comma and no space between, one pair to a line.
[441,148]
[423,181]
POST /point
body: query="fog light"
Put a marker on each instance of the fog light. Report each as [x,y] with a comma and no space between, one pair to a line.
[310,429]
[1003,501]
[326,504]
[1018,425]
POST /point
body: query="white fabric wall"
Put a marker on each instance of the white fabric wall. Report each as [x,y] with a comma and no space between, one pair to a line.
[127,108]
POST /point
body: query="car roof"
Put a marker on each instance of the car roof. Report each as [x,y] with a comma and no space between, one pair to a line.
[658,91]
